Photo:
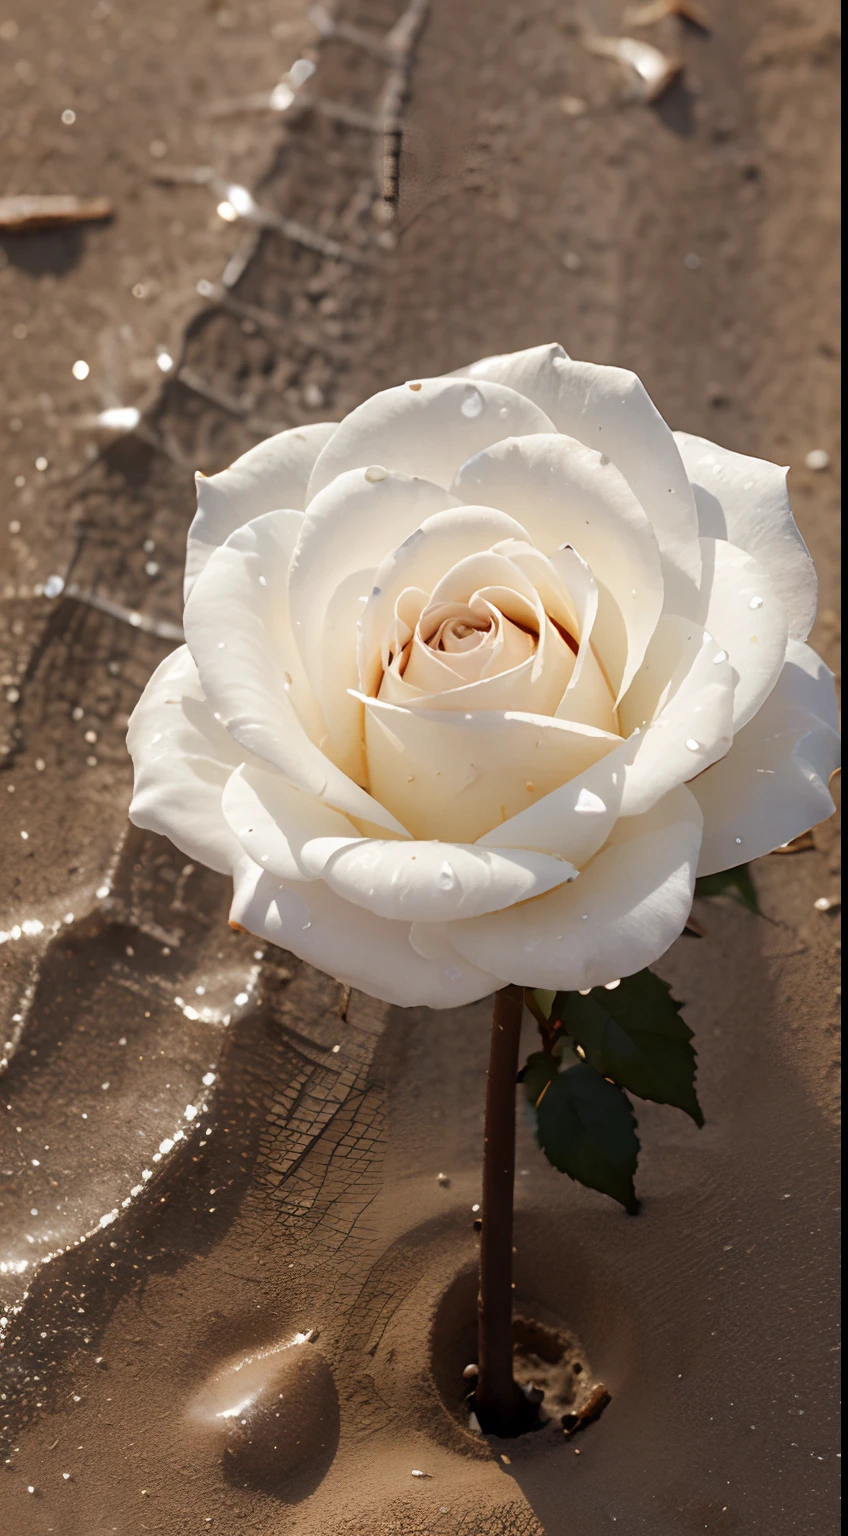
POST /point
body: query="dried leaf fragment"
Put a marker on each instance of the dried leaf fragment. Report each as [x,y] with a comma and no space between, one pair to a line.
[599,1398]
[657,10]
[648,69]
[23,214]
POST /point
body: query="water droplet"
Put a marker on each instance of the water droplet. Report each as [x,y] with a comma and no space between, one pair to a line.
[453,973]
[693,745]
[719,657]
[375,473]
[589,804]
[262,581]
[80,369]
[585,917]
[287,681]
[119,418]
[473,402]
[610,986]
[447,877]
[756,602]
[739,841]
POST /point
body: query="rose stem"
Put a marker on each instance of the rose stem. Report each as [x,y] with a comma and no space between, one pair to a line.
[497,1399]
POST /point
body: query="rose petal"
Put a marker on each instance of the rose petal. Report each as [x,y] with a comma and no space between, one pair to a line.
[253,678]
[609,409]
[456,776]
[426,428]
[273,474]
[739,606]
[687,725]
[182,758]
[272,821]
[344,535]
[569,594]
[625,909]
[745,501]
[431,881]
[359,949]
[419,561]
[563,494]
[773,783]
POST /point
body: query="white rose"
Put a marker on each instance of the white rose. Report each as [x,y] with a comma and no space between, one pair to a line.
[477,681]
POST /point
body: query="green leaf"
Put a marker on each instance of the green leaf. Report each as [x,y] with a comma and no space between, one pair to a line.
[585,1126]
[733,882]
[635,1035]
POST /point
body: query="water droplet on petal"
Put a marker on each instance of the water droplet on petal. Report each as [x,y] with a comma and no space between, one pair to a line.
[473,402]
[610,986]
[453,973]
[53,586]
[375,473]
[756,602]
[589,804]
[719,657]
[447,877]
[693,745]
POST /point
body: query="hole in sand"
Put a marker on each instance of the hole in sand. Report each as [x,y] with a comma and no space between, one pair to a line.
[549,1364]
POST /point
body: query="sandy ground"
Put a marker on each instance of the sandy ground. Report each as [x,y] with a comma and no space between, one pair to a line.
[695,242]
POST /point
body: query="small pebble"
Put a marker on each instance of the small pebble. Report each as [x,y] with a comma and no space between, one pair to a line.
[818,458]
[417,1473]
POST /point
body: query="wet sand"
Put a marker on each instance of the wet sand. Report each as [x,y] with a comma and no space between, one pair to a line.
[190,1172]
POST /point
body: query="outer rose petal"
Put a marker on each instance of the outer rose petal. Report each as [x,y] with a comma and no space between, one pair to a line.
[182,758]
[610,410]
[740,607]
[629,904]
[745,501]
[248,677]
[271,475]
[272,821]
[564,493]
[427,428]
[772,785]
[359,949]
[431,881]
[455,776]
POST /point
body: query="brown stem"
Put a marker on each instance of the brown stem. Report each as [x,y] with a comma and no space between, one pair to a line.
[497,1400]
